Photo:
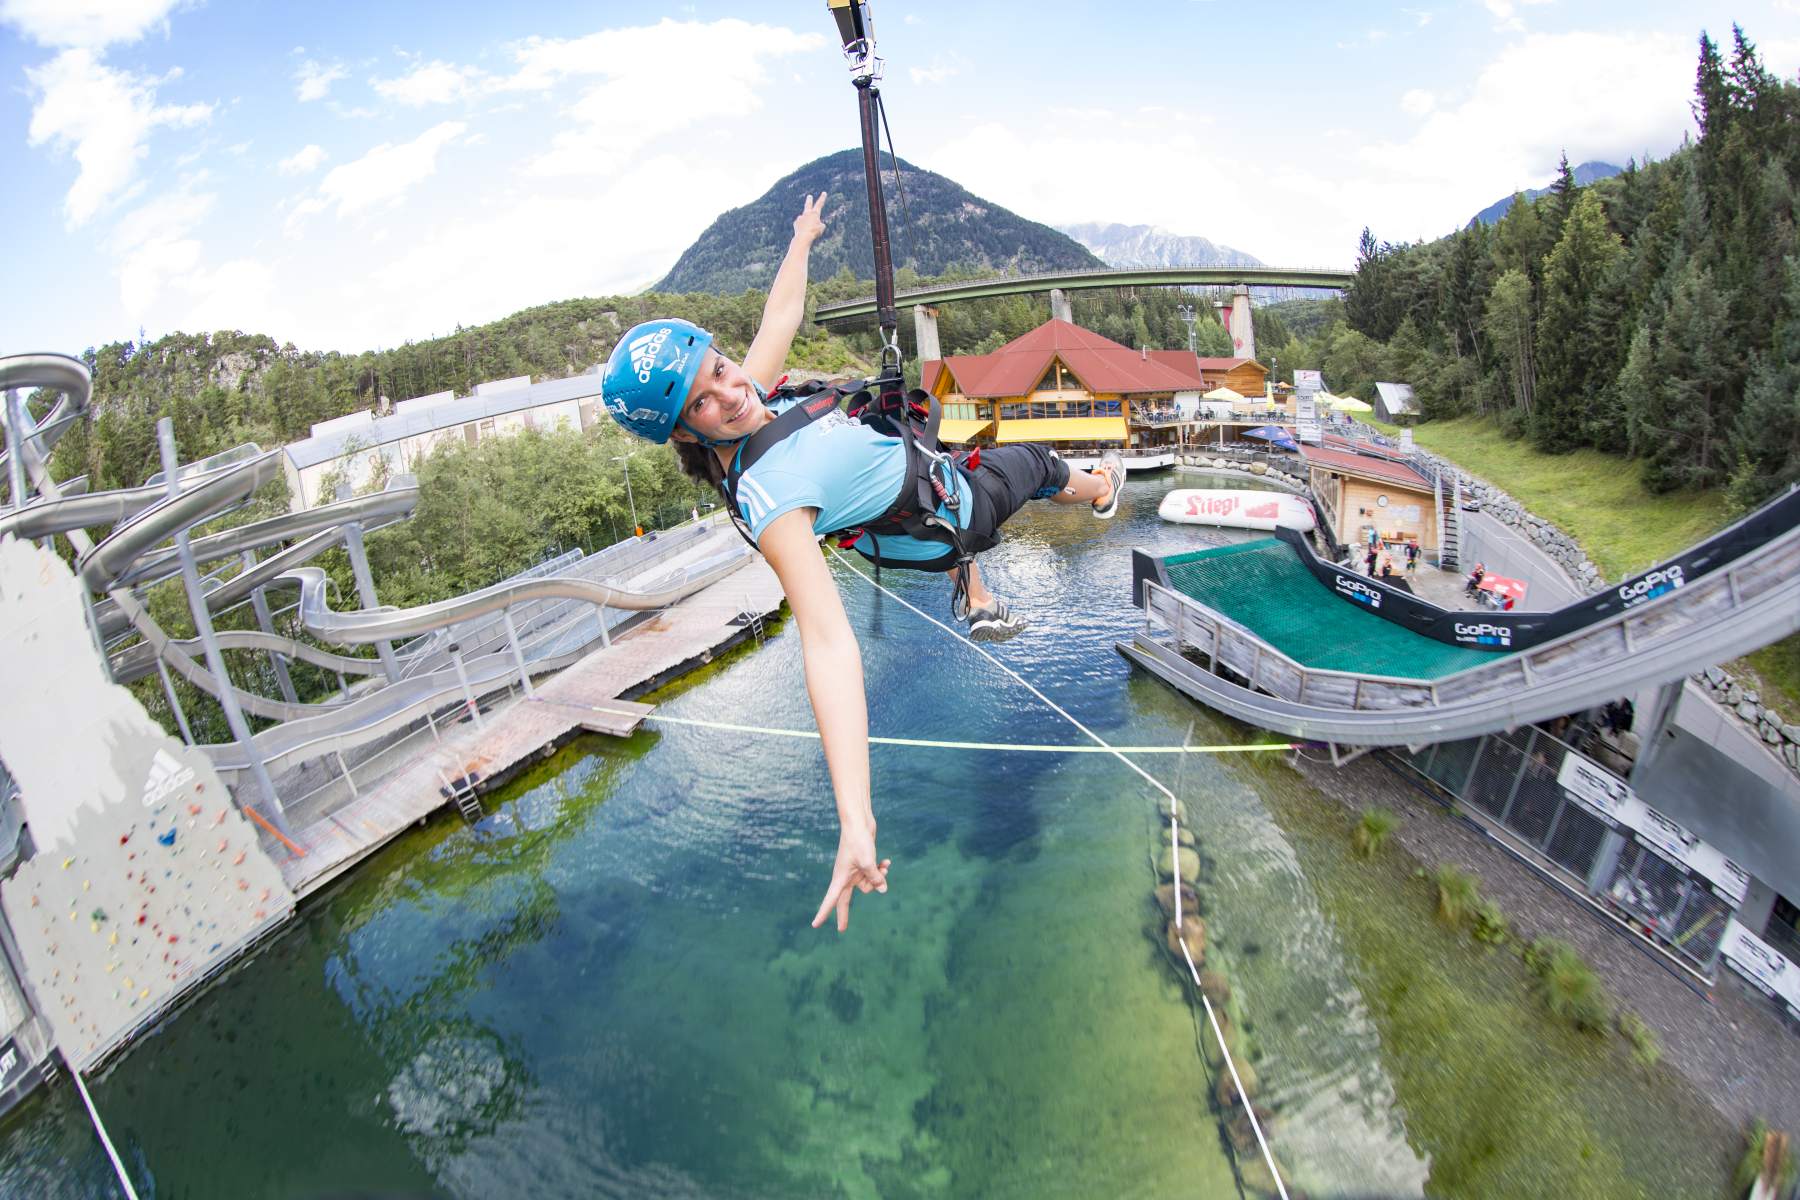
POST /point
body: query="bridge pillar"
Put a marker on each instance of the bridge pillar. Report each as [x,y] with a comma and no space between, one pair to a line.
[925,333]
[1059,306]
[1243,331]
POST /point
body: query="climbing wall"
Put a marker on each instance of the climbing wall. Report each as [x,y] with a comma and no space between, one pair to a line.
[146,877]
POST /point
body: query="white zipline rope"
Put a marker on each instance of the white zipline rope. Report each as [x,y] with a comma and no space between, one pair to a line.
[1174,854]
[927,743]
[94,1115]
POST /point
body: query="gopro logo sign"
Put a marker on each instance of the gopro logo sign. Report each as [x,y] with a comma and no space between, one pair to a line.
[1483,634]
[1655,584]
[1357,590]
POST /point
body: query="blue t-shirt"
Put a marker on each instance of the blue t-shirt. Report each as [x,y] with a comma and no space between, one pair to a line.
[849,472]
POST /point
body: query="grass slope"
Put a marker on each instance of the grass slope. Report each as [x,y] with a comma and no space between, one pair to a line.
[1599,500]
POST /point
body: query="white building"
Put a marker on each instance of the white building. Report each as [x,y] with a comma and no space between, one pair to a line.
[354,444]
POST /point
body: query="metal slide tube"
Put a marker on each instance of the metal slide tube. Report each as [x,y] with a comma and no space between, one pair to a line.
[215,660]
[365,593]
[15,436]
[259,603]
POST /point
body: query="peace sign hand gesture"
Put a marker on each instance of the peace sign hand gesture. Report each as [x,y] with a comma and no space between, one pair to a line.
[811,221]
[856,870]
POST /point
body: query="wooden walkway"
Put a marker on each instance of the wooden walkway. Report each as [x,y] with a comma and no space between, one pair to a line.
[671,643]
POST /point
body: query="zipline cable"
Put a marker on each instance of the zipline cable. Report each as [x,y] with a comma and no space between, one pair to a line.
[933,744]
[1174,852]
[99,1128]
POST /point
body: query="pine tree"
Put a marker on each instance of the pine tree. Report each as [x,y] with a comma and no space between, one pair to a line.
[1571,370]
[1765,438]
[1511,331]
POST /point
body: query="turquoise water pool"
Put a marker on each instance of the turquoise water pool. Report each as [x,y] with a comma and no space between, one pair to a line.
[610,988]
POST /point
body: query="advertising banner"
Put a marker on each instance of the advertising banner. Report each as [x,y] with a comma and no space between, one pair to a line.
[1772,973]
[12,1064]
[1309,381]
[1612,800]
[1307,428]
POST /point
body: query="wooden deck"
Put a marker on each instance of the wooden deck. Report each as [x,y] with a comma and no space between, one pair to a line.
[662,648]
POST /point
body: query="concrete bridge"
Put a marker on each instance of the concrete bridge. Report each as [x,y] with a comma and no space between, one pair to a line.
[925,301]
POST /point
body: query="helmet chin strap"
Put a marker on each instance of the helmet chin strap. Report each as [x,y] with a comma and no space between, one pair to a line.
[709,443]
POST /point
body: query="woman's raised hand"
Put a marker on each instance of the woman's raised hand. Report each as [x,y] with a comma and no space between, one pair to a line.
[811,221]
[856,870]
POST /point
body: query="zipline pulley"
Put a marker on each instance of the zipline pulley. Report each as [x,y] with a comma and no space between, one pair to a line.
[857,31]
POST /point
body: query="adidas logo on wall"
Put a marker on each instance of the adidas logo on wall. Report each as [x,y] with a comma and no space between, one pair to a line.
[167,775]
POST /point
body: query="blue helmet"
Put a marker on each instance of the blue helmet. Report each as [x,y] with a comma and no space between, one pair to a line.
[646,380]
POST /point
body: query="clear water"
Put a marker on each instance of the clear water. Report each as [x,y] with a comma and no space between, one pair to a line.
[611,988]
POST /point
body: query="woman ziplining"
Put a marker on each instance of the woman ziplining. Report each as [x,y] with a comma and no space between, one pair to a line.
[792,464]
[826,473]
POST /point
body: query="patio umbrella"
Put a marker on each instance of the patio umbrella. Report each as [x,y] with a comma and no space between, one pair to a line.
[1511,592]
[1350,404]
[1274,434]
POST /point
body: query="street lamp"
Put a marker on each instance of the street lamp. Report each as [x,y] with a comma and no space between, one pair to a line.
[626,459]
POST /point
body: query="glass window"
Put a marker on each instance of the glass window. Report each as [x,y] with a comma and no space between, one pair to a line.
[1048,383]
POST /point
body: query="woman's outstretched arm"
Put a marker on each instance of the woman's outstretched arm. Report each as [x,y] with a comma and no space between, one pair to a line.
[834,683]
[786,305]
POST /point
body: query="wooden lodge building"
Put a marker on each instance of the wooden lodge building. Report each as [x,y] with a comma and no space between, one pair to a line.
[1357,492]
[1069,388]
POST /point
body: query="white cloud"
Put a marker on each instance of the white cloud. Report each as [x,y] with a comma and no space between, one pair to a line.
[315,79]
[88,24]
[1417,102]
[641,98]
[1421,15]
[1618,95]
[103,117]
[937,72]
[154,245]
[1506,16]
[433,83]
[387,172]
[302,161]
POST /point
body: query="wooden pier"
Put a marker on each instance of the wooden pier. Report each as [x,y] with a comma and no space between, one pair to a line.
[466,759]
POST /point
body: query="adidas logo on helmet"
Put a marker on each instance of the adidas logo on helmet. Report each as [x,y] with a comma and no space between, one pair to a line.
[644,350]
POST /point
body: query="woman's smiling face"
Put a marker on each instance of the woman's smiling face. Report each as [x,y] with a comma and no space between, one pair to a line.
[722,404]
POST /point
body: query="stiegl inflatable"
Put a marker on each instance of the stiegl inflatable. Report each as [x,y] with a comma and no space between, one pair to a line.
[1236,509]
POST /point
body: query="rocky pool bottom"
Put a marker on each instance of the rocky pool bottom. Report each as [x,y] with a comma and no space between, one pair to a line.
[610,988]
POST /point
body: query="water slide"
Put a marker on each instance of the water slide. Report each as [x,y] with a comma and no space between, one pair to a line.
[145,518]
[1270,634]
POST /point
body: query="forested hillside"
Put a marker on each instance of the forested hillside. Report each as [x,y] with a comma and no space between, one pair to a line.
[935,227]
[1654,314]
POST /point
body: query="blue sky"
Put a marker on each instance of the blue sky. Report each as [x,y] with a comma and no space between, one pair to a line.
[350,176]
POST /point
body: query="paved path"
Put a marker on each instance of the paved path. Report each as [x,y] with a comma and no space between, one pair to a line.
[1506,551]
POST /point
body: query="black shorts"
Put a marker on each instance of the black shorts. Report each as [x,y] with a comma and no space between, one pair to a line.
[1006,478]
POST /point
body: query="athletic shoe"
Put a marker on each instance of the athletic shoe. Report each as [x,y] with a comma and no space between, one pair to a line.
[995,623]
[1112,466]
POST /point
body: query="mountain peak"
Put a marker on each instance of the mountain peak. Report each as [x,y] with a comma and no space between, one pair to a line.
[937,228]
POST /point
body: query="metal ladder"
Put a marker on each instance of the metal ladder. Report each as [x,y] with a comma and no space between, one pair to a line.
[462,794]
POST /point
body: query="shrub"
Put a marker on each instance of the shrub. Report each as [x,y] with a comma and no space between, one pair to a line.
[1458,894]
[1767,1156]
[1490,924]
[1372,830]
[1569,987]
[1646,1047]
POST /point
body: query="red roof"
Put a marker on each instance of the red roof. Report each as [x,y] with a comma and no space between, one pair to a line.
[1229,364]
[1102,365]
[1364,464]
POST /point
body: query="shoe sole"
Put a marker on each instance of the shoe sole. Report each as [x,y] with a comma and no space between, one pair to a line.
[1116,477]
[994,632]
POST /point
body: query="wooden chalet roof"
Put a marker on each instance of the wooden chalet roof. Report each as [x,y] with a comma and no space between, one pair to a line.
[1102,365]
[1365,465]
